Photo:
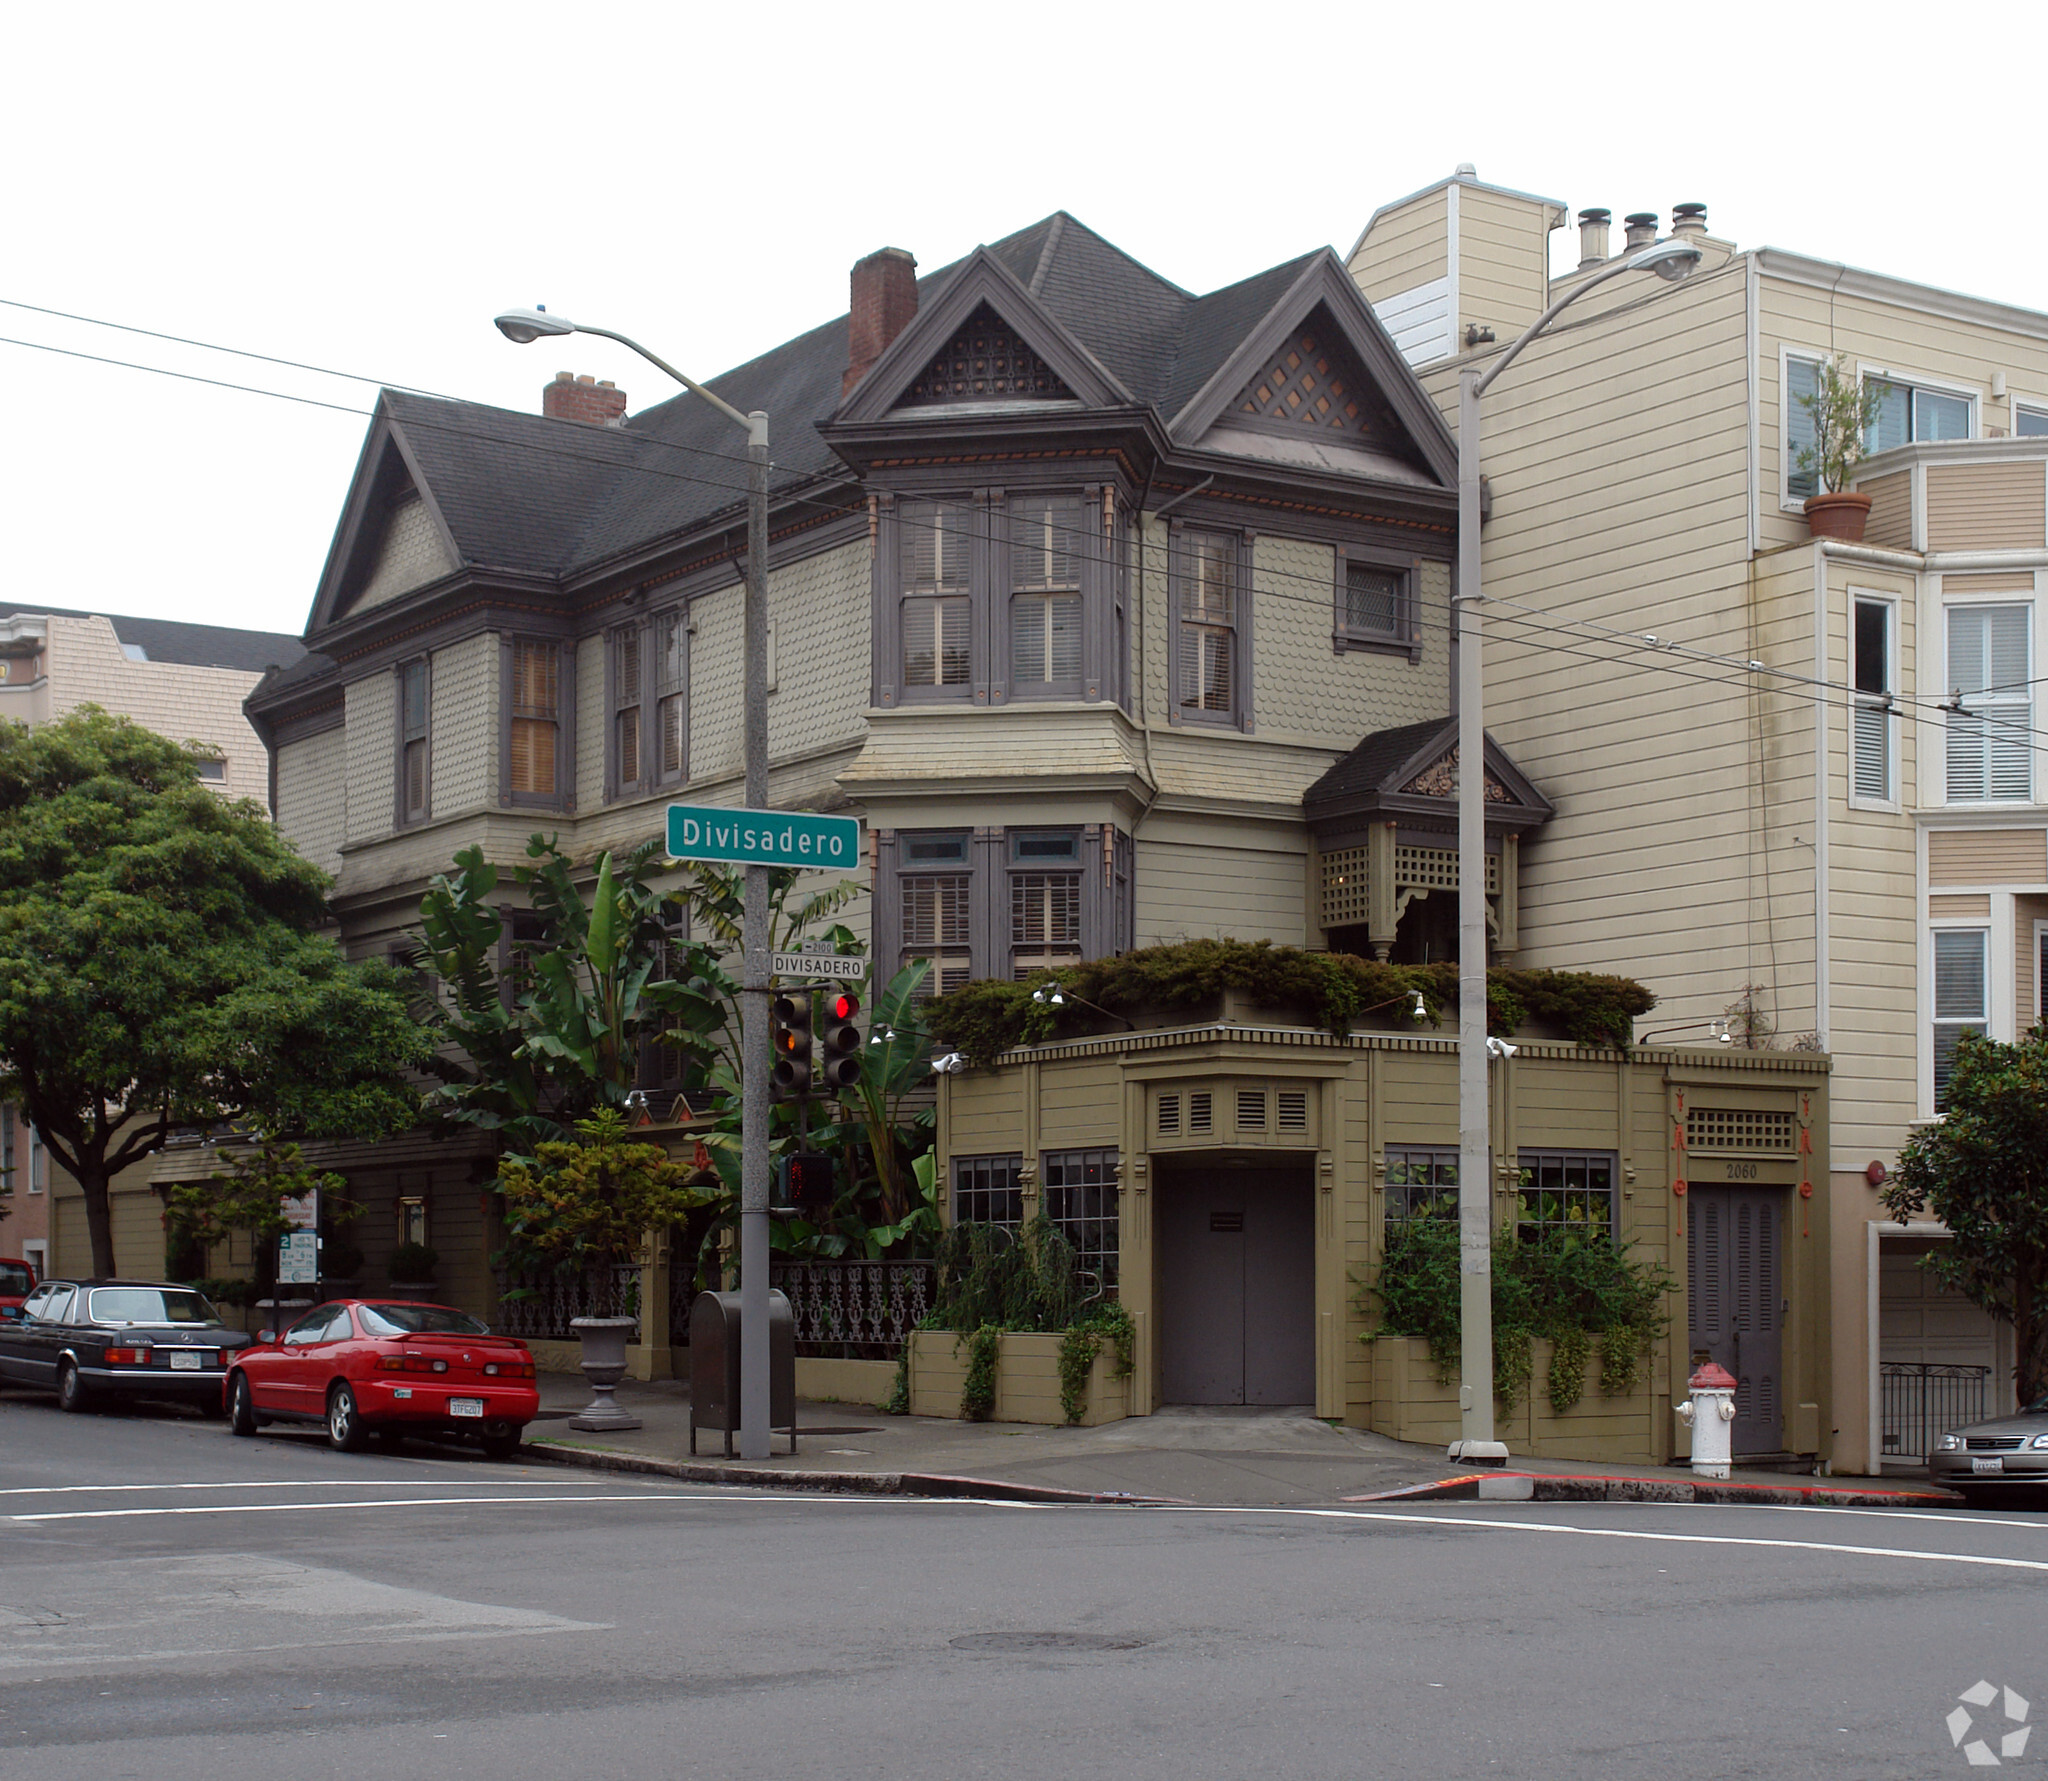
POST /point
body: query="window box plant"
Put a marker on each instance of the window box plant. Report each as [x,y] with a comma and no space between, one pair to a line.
[1841,408]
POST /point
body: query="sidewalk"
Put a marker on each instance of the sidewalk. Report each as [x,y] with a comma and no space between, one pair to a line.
[1224,1456]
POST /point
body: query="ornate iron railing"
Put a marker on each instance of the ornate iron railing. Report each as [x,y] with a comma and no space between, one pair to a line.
[1921,1402]
[846,1310]
[547,1302]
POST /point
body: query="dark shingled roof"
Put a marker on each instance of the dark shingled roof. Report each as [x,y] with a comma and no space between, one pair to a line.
[1366,767]
[171,640]
[525,493]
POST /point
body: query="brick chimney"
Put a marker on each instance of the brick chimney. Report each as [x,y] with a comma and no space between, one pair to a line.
[884,300]
[573,398]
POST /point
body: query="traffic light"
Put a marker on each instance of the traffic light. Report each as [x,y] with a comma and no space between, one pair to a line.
[790,1075]
[840,1041]
[804,1182]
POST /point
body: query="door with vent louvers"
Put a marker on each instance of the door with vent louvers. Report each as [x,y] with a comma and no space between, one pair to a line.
[1735,1286]
[1236,1287]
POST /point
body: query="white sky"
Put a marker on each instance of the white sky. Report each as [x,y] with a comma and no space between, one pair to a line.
[362,187]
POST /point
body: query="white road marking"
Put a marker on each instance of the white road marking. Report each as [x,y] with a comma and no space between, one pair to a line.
[58,1490]
[1947,1515]
[1472,1523]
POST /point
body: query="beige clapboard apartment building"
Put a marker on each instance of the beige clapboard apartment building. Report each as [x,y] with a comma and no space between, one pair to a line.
[1802,777]
[184,681]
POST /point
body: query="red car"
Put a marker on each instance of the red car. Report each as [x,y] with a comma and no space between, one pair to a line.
[388,1368]
[17,1281]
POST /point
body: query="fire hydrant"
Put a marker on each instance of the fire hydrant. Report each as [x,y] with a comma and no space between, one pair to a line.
[1709,1415]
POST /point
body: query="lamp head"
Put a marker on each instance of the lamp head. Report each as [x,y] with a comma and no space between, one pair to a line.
[1421,1009]
[1050,995]
[1670,260]
[524,326]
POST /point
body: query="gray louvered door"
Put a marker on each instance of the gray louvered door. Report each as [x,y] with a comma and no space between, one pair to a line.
[1236,1282]
[1735,1285]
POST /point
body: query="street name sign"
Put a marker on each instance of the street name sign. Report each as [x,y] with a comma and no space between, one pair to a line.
[739,837]
[815,967]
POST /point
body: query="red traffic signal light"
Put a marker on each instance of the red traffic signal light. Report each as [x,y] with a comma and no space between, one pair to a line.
[840,1040]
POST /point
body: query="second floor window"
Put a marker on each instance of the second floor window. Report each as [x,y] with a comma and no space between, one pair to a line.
[1990,755]
[1375,605]
[413,776]
[935,893]
[1048,540]
[1208,621]
[628,695]
[671,701]
[1961,998]
[536,718]
[1872,716]
[937,599]
[1045,901]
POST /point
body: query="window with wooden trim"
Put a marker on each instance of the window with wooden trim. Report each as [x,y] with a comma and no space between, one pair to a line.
[536,701]
[1566,1191]
[1873,714]
[1990,754]
[1962,998]
[935,893]
[986,1190]
[662,1065]
[1208,620]
[1907,412]
[413,722]
[1045,900]
[1420,1183]
[1375,605]
[671,696]
[1049,540]
[1802,385]
[628,689]
[2029,423]
[1081,1202]
[994,595]
[937,604]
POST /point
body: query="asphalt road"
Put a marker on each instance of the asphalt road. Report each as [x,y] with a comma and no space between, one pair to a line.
[176,1603]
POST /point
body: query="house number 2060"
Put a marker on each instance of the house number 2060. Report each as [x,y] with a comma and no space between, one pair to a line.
[1741,1172]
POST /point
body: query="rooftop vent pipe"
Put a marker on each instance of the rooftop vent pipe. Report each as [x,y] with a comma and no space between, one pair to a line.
[1593,238]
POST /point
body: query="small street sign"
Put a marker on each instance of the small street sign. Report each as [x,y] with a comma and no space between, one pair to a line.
[740,837]
[814,967]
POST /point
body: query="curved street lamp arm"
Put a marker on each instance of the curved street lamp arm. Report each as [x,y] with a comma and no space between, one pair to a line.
[756,424]
[1634,263]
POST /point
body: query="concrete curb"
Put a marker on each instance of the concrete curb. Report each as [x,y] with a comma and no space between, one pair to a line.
[1542,1487]
[872,1484]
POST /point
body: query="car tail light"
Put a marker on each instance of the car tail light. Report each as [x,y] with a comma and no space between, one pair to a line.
[128,1357]
[410,1363]
[509,1369]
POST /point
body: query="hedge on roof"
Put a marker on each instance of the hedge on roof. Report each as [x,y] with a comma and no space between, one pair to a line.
[1333,990]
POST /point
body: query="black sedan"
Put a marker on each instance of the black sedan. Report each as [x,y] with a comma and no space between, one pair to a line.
[100,1340]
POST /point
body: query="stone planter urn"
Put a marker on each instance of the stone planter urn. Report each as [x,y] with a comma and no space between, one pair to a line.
[604,1342]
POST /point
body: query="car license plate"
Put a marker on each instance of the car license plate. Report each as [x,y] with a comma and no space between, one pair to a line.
[465,1406]
[1981,1464]
[186,1360]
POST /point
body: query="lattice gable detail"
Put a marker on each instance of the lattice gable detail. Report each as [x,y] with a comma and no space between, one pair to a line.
[1313,381]
[987,360]
[1440,780]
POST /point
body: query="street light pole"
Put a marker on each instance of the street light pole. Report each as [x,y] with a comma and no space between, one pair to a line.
[524,326]
[1670,260]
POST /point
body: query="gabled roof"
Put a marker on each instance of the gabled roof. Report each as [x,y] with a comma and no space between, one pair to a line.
[527,495]
[1410,771]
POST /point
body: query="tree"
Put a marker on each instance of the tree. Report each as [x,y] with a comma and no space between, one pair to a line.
[247,1196]
[162,964]
[562,1038]
[584,1206]
[1983,1171]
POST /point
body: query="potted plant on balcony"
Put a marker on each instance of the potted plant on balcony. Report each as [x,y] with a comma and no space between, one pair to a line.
[580,1210]
[1841,407]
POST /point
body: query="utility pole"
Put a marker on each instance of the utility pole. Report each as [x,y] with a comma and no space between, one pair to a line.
[754,992]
